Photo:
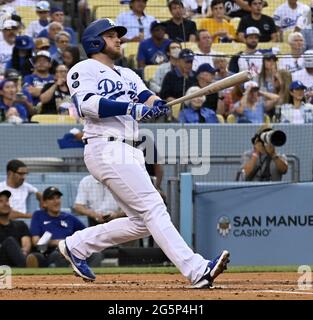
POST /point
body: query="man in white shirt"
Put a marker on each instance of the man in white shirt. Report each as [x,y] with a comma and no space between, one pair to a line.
[294,61]
[204,54]
[9,32]
[286,16]
[305,75]
[36,26]
[136,21]
[95,201]
[20,190]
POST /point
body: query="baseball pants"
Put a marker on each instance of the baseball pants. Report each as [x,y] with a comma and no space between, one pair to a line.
[121,168]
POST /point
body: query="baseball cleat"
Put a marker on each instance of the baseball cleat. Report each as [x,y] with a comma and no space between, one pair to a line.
[80,267]
[214,268]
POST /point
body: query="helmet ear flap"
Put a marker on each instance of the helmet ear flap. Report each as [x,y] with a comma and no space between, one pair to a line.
[94,44]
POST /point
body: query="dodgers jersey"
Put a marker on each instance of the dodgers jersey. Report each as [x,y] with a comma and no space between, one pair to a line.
[120,84]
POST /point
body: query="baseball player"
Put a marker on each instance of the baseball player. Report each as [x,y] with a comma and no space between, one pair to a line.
[111,100]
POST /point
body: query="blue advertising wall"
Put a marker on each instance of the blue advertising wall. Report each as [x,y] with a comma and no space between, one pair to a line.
[259,224]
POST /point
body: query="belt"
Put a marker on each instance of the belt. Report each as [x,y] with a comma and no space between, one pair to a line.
[129,142]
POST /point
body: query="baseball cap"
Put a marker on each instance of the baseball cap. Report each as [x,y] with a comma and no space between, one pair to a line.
[11,74]
[249,84]
[10,24]
[186,54]
[50,192]
[5,193]
[294,85]
[24,42]
[205,67]
[308,59]
[43,6]
[42,42]
[155,24]
[43,53]
[252,30]
[55,9]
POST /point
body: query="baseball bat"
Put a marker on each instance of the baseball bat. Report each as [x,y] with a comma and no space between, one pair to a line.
[227,82]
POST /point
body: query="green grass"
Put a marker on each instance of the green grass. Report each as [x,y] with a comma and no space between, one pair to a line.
[148,270]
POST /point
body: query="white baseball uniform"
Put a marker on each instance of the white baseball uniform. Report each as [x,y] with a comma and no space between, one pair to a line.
[127,180]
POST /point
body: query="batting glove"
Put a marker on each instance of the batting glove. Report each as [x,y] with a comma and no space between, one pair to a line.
[160,108]
[139,111]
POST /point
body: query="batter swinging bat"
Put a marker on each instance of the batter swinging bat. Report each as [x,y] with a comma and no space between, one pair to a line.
[227,82]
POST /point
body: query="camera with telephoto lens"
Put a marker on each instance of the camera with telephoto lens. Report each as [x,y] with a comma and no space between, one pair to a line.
[276,138]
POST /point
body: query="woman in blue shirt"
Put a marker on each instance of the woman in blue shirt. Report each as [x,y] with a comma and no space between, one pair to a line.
[194,112]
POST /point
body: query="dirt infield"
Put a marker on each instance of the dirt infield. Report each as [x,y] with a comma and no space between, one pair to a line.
[273,285]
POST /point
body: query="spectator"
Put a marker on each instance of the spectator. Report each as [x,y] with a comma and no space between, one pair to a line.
[251,58]
[282,80]
[42,44]
[57,15]
[136,21]
[236,8]
[255,18]
[9,33]
[176,82]
[287,15]
[34,82]
[254,104]
[53,225]
[50,33]
[71,56]
[225,102]
[62,40]
[296,111]
[178,28]
[96,202]
[22,54]
[36,26]
[204,54]
[305,75]
[20,190]
[195,8]
[172,51]
[15,242]
[269,69]
[9,99]
[262,163]
[55,96]
[220,29]
[294,61]
[153,50]
[205,76]
[194,112]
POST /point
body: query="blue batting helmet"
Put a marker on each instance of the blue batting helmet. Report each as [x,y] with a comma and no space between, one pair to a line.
[91,39]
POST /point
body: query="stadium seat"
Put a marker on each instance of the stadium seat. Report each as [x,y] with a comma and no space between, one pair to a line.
[228,48]
[198,22]
[235,22]
[130,49]
[220,118]
[190,45]
[149,72]
[27,14]
[109,11]
[159,12]
[53,119]
[231,118]
[284,48]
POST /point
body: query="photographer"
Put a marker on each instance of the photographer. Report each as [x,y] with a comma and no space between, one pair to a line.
[263,163]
